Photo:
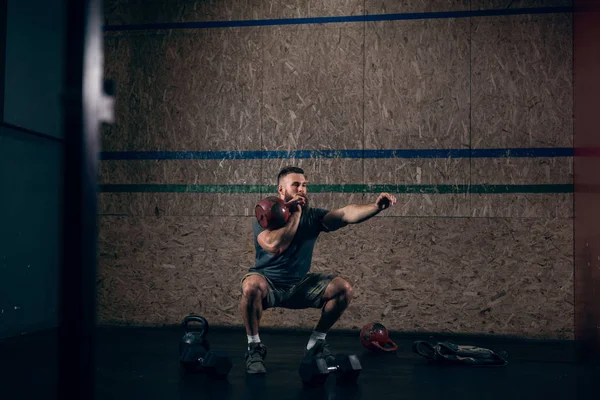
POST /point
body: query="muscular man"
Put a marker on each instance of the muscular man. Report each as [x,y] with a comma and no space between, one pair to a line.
[281,277]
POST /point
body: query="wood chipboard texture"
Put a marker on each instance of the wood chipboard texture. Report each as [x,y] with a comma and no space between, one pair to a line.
[122,12]
[417,84]
[503,275]
[189,91]
[511,4]
[414,6]
[478,263]
[522,81]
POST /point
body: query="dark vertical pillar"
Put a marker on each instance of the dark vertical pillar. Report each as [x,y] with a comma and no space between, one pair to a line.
[586,67]
[85,107]
[3,29]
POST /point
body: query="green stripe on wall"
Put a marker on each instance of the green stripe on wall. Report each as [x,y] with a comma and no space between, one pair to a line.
[433,189]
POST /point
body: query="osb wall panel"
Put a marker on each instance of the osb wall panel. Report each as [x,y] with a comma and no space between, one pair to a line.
[522,171]
[417,84]
[117,59]
[503,4]
[332,201]
[518,171]
[188,91]
[211,172]
[178,204]
[157,270]
[418,171]
[344,172]
[215,175]
[119,203]
[289,122]
[313,87]
[431,205]
[500,276]
[313,100]
[413,6]
[302,87]
[319,8]
[423,171]
[530,205]
[503,276]
[522,205]
[189,172]
[522,81]
[119,12]
[322,171]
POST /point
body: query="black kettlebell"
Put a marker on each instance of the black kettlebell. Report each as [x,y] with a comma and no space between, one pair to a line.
[193,342]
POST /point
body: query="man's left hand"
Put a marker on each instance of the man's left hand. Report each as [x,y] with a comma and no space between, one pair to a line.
[385,200]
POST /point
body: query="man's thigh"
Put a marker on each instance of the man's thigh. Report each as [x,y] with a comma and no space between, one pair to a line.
[308,293]
[270,299]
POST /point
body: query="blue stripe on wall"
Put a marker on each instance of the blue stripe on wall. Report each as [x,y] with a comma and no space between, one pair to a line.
[328,20]
[297,154]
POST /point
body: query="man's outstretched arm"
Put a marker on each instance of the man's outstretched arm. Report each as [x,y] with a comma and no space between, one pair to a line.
[357,213]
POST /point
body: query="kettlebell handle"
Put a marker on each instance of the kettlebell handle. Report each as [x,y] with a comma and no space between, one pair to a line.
[393,345]
[195,318]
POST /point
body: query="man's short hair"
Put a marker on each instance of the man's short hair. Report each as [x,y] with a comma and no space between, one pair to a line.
[289,170]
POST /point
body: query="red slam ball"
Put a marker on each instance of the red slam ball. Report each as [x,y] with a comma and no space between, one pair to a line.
[272,213]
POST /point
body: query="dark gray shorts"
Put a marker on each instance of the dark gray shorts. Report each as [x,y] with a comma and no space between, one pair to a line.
[308,293]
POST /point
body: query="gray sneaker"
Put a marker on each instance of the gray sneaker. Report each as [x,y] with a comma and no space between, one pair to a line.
[255,357]
[321,349]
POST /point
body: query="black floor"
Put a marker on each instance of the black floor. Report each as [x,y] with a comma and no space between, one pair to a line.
[141,363]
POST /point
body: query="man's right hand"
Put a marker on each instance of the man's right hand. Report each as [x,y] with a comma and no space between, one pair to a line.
[296,203]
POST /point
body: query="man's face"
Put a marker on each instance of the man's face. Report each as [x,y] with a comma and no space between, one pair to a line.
[293,184]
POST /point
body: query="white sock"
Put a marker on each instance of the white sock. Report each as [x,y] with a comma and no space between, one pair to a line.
[253,339]
[313,339]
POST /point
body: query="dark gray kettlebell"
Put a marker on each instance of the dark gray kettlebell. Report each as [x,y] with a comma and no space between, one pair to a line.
[193,343]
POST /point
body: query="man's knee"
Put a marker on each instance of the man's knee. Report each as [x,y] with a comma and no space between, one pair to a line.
[347,290]
[254,286]
[340,288]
